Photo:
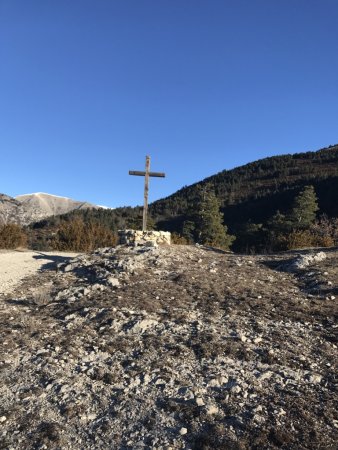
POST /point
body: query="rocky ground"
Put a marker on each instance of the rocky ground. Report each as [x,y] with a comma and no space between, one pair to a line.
[177,347]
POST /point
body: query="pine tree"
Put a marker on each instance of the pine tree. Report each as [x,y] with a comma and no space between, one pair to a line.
[279,223]
[291,230]
[188,231]
[209,228]
[304,209]
[278,228]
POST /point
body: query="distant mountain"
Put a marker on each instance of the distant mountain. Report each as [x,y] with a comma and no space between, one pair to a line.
[28,208]
[10,210]
[43,205]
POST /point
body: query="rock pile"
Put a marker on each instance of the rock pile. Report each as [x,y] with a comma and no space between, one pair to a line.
[303,261]
[150,238]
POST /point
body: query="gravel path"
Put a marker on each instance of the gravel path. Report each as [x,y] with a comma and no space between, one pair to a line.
[16,265]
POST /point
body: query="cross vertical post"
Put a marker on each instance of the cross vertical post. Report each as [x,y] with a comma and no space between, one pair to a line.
[146,191]
[146,176]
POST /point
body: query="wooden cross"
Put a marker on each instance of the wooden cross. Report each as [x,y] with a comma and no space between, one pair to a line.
[146,176]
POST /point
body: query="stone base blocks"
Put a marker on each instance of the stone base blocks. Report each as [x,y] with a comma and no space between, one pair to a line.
[138,237]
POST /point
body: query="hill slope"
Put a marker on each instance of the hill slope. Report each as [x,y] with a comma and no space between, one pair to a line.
[176,346]
[255,191]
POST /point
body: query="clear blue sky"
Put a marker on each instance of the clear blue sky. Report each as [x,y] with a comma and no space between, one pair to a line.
[89,87]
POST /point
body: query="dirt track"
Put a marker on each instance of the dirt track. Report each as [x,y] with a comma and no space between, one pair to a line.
[16,265]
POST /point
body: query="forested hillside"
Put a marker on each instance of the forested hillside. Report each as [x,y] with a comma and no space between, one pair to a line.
[250,194]
[255,191]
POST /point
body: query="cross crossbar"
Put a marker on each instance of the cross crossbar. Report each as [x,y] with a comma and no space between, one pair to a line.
[146,176]
[151,174]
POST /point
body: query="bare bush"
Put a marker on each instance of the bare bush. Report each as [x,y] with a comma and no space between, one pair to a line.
[299,239]
[322,233]
[12,236]
[326,230]
[77,235]
[178,239]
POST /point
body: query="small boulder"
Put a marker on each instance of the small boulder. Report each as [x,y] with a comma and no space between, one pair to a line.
[315,378]
[199,401]
[144,324]
[212,410]
[113,281]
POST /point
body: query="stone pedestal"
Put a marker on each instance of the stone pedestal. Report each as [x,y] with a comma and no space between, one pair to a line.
[137,237]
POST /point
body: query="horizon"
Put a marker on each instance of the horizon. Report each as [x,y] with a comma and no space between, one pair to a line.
[182,187]
[89,90]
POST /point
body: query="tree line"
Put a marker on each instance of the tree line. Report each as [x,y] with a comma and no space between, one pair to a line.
[298,226]
[251,208]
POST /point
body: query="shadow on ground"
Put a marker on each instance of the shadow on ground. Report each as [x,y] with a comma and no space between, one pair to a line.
[281,265]
[54,260]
